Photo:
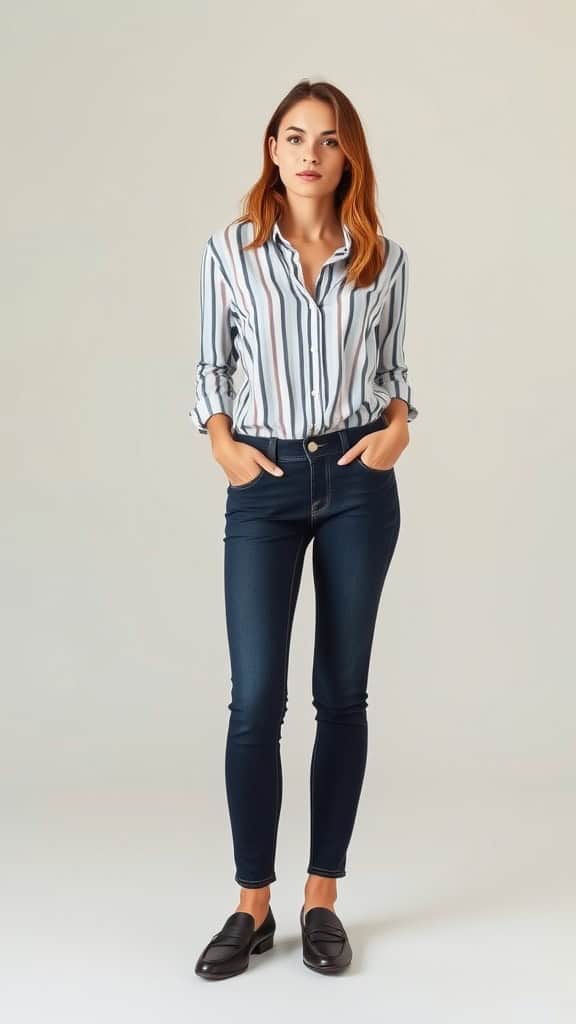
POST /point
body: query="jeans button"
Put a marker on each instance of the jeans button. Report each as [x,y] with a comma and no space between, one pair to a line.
[312,446]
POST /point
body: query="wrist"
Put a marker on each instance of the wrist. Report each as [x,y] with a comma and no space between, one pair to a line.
[219,428]
[222,444]
[396,414]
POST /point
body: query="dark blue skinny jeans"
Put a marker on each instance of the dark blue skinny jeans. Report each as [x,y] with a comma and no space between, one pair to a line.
[352,514]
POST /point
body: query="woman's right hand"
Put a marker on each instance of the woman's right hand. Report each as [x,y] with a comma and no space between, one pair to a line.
[242,462]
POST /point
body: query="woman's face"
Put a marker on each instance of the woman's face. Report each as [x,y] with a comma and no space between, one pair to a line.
[307,140]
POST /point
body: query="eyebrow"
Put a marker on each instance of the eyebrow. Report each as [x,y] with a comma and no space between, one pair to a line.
[294,128]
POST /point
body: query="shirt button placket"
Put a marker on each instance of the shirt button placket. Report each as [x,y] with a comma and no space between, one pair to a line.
[315,350]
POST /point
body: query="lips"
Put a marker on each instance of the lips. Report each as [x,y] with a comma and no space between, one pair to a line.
[307,174]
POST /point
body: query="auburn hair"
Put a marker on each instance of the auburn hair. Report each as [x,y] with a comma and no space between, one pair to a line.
[354,198]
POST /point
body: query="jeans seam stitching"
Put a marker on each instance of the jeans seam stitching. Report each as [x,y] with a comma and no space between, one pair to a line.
[285,685]
[312,770]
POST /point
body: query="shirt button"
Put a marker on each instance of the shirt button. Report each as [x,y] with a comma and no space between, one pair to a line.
[312,392]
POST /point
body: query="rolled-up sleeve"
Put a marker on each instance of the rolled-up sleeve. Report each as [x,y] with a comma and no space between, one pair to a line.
[218,356]
[392,370]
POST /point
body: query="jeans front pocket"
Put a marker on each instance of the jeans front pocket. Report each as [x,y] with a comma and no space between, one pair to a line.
[250,483]
[372,469]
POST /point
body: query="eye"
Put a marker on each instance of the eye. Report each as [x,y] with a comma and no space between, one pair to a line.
[333,143]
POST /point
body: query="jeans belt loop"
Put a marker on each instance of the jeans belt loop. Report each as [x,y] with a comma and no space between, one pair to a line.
[343,435]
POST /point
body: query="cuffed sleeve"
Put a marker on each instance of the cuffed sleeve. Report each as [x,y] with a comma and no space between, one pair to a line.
[392,371]
[218,356]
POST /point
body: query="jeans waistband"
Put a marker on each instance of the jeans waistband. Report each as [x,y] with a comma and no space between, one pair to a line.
[317,445]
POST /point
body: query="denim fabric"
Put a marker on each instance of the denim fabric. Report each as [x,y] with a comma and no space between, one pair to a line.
[352,514]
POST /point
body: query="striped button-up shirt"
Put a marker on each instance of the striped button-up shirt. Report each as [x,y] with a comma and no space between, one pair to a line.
[312,364]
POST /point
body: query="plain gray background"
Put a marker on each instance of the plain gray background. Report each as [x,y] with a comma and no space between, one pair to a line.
[130,132]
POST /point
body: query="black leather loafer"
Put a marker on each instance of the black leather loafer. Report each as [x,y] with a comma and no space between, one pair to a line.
[228,952]
[325,945]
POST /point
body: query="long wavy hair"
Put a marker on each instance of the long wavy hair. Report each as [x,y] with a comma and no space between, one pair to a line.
[354,198]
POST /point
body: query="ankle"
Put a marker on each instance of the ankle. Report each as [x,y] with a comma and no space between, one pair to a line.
[261,895]
[254,900]
[320,891]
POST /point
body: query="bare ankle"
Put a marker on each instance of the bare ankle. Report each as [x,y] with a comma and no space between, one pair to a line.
[261,895]
[320,891]
[255,902]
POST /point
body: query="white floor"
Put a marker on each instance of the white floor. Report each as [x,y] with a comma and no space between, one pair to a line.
[461,911]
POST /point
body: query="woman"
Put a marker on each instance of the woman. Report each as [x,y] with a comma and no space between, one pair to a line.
[311,299]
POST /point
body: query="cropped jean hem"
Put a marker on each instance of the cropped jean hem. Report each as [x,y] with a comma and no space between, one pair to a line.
[255,885]
[325,873]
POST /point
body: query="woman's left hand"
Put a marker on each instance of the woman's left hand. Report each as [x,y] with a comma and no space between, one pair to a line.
[382,448]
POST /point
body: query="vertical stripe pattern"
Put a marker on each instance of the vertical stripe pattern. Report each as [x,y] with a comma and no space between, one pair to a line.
[311,364]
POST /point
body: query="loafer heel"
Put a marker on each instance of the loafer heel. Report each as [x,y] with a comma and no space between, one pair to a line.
[264,945]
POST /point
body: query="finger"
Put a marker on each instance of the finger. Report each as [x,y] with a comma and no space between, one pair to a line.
[265,463]
[271,467]
[349,456]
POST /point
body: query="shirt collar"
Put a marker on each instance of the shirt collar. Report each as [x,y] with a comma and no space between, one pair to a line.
[343,250]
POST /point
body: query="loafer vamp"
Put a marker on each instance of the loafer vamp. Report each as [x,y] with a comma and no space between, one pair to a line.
[228,951]
[234,937]
[326,943]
